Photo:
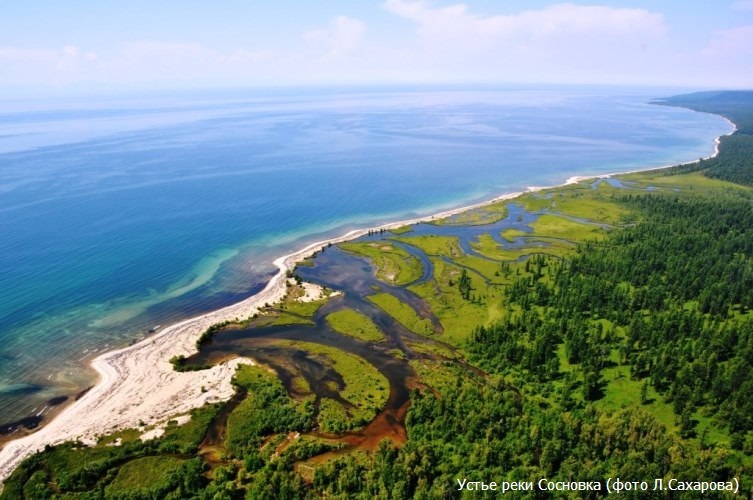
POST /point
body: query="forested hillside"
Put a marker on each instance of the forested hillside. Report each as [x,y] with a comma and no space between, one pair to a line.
[737,106]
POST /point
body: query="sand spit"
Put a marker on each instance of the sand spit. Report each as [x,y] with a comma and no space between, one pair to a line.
[138,385]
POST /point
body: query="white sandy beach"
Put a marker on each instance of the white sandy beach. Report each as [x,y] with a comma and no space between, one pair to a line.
[137,384]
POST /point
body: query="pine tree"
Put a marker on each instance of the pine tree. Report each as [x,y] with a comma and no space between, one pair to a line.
[464,285]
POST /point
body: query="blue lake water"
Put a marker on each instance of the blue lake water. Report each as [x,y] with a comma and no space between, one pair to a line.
[119,214]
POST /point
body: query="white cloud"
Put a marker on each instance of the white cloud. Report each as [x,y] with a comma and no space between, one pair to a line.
[66,54]
[145,60]
[50,65]
[180,53]
[731,43]
[743,5]
[558,19]
[340,39]
[147,49]
[566,42]
[149,56]
[15,54]
[445,41]
[246,56]
[134,61]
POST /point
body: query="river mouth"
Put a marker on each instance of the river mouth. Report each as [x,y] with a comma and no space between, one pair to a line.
[292,364]
[303,373]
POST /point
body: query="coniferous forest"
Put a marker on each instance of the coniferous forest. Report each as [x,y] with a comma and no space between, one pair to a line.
[615,344]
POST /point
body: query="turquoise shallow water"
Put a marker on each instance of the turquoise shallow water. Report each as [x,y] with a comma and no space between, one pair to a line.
[124,213]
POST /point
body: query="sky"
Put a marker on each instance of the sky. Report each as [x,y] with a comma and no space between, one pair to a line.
[66,44]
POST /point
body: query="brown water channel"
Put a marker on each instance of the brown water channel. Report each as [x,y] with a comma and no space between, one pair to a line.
[355,277]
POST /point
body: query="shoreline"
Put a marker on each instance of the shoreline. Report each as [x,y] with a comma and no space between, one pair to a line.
[717,142]
[118,401]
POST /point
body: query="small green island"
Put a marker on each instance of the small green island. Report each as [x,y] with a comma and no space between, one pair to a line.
[600,329]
